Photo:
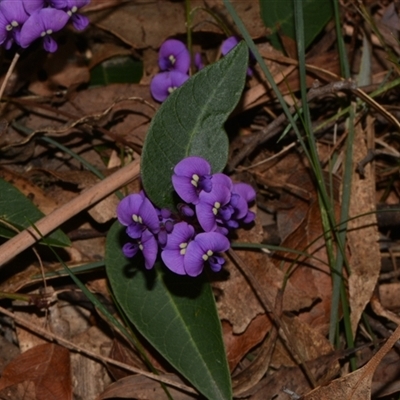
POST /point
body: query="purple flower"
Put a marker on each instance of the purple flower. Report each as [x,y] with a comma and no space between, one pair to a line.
[12,18]
[228,44]
[202,249]
[71,7]
[174,252]
[191,177]
[213,207]
[242,195]
[174,56]
[164,83]
[137,213]
[166,221]
[43,23]
[33,5]
[147,244]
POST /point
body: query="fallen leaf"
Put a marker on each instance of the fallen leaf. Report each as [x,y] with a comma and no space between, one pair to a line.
[363,235]
[45,369]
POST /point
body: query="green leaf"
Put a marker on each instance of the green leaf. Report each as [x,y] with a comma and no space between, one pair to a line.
[122,69]
[190,122]
[176,314]
[19,212]
[278,16]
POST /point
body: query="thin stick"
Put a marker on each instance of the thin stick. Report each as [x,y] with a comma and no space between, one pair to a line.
[52,221]
[8,74]
[71,346]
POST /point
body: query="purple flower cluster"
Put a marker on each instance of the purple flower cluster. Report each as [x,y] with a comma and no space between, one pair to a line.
[174,62]
[24,21]
[212,206]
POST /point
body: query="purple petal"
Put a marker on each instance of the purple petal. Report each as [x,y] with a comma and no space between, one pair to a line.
[250,217]
[214,241]
[244,190]
[79,21]
[164,83]
[49,44]
[127,207]
[13,11]
[149,215]
[149,247]
[31,6]
[193,165]
[229,44]
[222,179]
[182,233]
[193,261]
[4,34]
[186,191]
[43,23]
[134,230]
[201,249]
[216,263]
[207,219]
[174,55]
[173,259]
[130,249]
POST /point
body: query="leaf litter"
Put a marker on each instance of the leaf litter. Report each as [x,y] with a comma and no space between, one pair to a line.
[49,96]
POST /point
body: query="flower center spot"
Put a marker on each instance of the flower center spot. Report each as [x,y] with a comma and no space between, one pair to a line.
[216,207]
[137,219]
[171,89]
[172,59]
[195,180]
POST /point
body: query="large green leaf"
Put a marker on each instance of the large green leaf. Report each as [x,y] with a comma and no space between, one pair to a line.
[176,314]
[278,16]
[19,212]
[190,122]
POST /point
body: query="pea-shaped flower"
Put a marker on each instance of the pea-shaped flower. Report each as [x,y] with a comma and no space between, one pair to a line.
[164,83]
[12,17]
[147,244]
[41,24]
[71,7]
[174,252]
[202,249]
[191,176]
[137,213]
[174,56]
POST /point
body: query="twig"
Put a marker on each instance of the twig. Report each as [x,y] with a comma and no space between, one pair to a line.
[52,221]
[71,346]
[8,74]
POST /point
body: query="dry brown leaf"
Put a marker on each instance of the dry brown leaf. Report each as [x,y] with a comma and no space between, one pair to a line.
[35,194]
[46,370]
[356,385]
[389,295]
[309,342]
[142,388]
[237,302]
[302,226]
[363,233]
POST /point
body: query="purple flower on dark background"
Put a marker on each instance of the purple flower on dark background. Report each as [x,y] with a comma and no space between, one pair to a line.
[202,249]
[71,7]
[12,18]
[137,213]
[166,225]
[41,24]
[213,206]
[191,176]
[242,195]
[228,44]
[174,56]
[147,244]
[174,252]
[164,83]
